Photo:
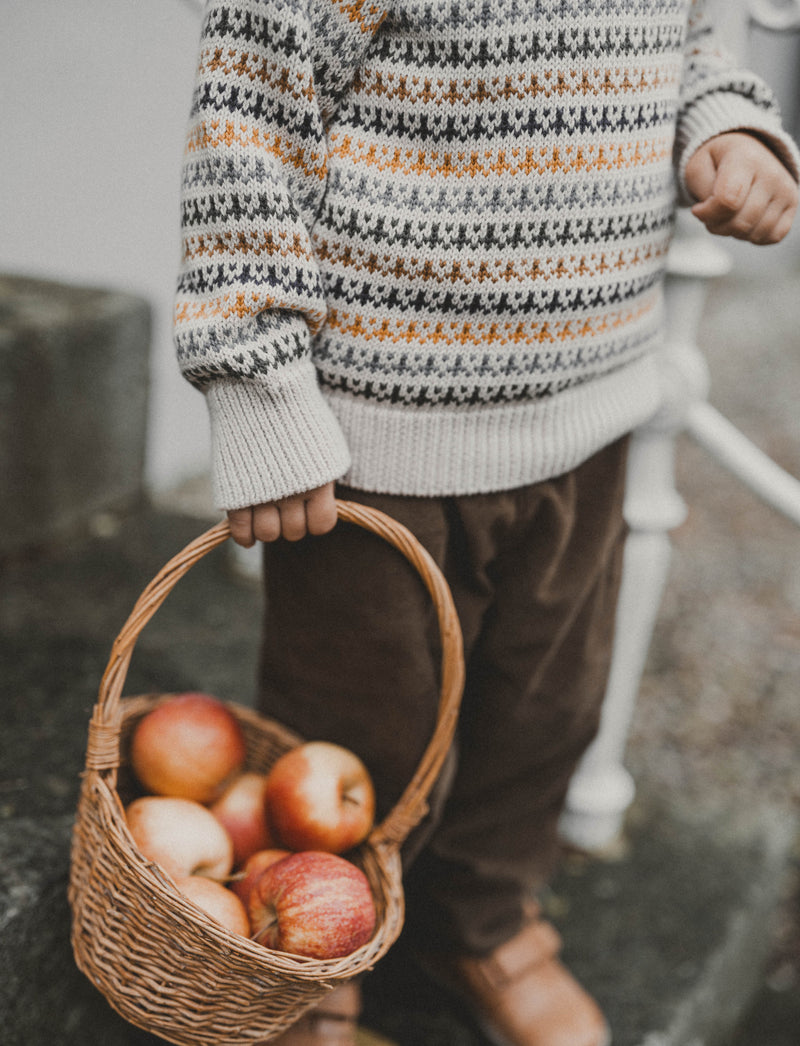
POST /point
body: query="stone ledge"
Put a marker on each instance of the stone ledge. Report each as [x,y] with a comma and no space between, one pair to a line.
[74,365]
[671,936]
[670,933]
[44,999]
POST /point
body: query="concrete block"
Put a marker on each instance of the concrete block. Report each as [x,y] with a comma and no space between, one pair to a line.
[73,406]
[43,996]
[670,934]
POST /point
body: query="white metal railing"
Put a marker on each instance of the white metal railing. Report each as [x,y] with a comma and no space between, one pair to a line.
[777,15]
[602,789]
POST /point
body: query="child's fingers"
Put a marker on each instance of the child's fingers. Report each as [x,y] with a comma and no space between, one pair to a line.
[730,193]
[266,522]
[726,218]
[774,224]
[241,524]
[321,512]
[293,518]
[735,182]
[784,224]
[700,173]
[752,197]
[762,219]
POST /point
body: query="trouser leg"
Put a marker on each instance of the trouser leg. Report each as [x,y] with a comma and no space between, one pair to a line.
[536,676]
[350,649]
[351,654]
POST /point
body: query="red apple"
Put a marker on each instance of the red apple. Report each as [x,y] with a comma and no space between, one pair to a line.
[217,901]
[313,903]
[241,810]
[182,836]
[320,797]
[253,867]
[190,746]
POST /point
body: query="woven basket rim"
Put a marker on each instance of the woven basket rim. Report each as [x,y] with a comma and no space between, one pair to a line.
[103,754]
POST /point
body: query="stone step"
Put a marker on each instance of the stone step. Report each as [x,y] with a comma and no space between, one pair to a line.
[671,937]
[74,365]
[670,932]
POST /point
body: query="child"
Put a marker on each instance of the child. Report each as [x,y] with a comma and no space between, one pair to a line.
[424,250]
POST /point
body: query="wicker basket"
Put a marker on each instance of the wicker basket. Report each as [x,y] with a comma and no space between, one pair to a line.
[162,962]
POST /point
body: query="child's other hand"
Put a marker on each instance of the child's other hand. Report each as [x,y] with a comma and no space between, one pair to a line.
[742,188]
[313,512]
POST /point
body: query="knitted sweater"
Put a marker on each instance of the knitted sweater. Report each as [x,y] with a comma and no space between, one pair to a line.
[425,239]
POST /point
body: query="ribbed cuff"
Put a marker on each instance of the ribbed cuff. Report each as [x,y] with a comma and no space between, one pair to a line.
[721,113]
[268,443]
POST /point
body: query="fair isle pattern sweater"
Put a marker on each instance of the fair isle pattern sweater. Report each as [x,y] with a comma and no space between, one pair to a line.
[424,240]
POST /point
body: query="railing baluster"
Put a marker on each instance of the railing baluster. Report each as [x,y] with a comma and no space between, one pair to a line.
[602,789]
[776,15]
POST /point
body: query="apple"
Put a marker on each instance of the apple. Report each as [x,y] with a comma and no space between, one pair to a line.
[217,901]
[319,796]
[191,746]
[253,867]
[241,810]
[182,836]
[313,903]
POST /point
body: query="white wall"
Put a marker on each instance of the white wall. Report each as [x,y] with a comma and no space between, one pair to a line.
[95,101]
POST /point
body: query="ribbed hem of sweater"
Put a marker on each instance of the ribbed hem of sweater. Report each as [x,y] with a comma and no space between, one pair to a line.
[254,460]
[724,112]
[440,452]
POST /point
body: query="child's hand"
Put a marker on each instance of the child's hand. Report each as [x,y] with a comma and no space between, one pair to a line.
[742,188]
[313,512]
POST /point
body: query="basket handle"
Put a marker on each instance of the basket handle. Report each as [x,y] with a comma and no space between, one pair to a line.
[105,725]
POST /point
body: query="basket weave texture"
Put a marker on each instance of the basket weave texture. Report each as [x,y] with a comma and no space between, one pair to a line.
[159,960]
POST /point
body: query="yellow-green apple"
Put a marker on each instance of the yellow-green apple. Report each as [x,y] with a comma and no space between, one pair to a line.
[253,867]
[242,812]
[319,796]
[313,903]
[183,836]
[217,901]
[190,745]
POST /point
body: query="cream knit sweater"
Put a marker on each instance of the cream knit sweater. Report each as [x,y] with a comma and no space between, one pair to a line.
[424,240]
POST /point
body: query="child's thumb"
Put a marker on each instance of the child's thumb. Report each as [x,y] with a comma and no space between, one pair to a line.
[700,174]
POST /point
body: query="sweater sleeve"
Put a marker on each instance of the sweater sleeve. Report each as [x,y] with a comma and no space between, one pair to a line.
[716,97]
[249,295]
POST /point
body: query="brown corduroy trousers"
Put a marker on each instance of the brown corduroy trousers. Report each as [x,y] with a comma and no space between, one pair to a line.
[350,654]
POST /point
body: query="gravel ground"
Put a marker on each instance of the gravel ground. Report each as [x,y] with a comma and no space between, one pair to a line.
[718,718]
[720,694]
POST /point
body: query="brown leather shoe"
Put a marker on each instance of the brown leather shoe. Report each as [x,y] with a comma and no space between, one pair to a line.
[332,1022]
[521,995]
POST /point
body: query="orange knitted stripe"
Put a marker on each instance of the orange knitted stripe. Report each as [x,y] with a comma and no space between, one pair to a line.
[597,82]
[468,271]
[481,163]
[239,305]
[296,84]
[232,242]
[228,134]
[477,333]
